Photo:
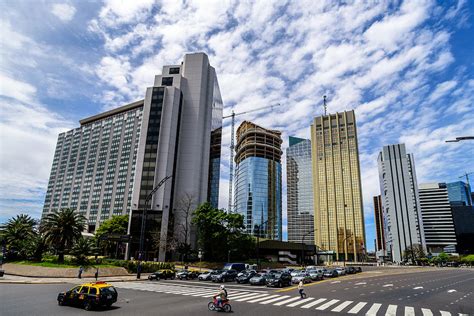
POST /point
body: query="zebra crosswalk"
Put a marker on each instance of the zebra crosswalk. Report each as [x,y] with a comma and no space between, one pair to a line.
[286,301]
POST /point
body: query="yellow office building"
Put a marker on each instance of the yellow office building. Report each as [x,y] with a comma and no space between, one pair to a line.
[338,212]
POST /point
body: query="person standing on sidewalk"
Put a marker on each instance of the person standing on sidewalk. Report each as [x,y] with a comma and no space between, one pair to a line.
[301,289]
[79,275]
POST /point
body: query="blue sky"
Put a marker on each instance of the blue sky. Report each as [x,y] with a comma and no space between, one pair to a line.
[405,67]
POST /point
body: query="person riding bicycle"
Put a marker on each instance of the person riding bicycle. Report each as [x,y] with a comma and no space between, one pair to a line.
[221,296]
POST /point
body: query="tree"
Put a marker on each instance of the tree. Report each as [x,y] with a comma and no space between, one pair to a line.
[414,253]
[219,232]
[61,229]
[183,218]
[17,235]
[83,248]
[116,225]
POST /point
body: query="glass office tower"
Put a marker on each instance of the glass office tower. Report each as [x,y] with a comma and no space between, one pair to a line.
[258,180]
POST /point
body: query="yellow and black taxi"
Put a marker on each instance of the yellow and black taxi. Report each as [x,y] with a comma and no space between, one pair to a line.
[89,295]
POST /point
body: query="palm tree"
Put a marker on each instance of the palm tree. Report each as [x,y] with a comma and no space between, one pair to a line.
[17,233]
[61,228]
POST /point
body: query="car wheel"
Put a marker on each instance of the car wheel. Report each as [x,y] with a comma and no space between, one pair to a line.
[61,301]
[87,306]
[279,284]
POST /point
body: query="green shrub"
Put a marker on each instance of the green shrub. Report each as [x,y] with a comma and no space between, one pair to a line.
[147,266]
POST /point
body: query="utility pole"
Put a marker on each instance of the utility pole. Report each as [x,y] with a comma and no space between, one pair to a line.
[325,105]
[466,175]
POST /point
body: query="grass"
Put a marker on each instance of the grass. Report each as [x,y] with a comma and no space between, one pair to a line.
[48,264]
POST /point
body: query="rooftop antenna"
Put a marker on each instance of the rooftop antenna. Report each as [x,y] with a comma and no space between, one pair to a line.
[325,105]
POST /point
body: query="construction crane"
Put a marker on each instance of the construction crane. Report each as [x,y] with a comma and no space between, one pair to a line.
[231,166]
[466,175]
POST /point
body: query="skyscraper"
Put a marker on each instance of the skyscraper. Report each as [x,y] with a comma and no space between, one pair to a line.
[338,212]
[459,193]
[401,205]
[379,225]
[110,164]
[438,225]
[300,207]
[258,180]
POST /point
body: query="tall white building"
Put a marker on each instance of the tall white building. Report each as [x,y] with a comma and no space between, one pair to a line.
[112,162]
[437,217]
[401,207]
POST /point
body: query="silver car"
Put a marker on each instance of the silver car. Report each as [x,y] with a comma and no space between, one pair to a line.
[341,271]
[315,274]
[302,276]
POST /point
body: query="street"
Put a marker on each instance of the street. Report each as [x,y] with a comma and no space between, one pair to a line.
[395,292]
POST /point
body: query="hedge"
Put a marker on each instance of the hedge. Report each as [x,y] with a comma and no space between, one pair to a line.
[147,266]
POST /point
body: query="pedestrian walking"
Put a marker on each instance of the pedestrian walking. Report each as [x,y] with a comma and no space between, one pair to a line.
[301,289]
[96,274]
[79,275]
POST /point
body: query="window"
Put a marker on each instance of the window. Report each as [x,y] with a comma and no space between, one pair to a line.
[167,81]
[85,290]
[174,71]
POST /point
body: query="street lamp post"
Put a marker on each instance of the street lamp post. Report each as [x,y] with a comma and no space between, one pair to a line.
[258,241]
[345,247]
[302,245]
[142,230]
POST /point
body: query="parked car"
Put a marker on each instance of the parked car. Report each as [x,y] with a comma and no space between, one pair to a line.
[89,295]
[302,276]
[296,272]
[246,272]
[279,279]
[162,274]
[351,270]
[331,273]
[186,275]
[341,271]
[258,279]
[358,269]
[207,276]
[235,266]
[316,274]
[245,277]
[225,276]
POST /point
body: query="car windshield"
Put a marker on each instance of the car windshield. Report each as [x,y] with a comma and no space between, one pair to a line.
[108,290]
[276,275]
[301,274]
[258,275]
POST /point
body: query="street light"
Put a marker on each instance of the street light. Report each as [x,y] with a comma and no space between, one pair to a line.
[345,247]
[458,139]
[302,245]
[142,230]
[258,241]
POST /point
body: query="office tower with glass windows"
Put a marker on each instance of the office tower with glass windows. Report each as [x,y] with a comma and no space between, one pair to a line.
[379,226]
[459,193]
[438,225]
[300,207]
[338,212]
[110,164]
[258,180]
[401,205]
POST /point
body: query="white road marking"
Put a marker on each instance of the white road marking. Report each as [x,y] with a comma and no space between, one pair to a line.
[443,313]
[313,303]
[409,311]
[373,310]
[451,291]
[391,310]
[418,287]
[263,298]
[275,299]
[288,301]
[426,312]
[361,283]
[341,306]
[301,301]
[326,305]
[357,308]
[385,285]
[241,296]
[333,282]
[251,297]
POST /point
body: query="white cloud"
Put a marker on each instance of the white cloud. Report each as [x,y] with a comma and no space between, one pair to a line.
[15,89]
[65,12]
[442,89]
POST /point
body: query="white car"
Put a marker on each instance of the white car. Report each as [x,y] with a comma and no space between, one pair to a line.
[341,271]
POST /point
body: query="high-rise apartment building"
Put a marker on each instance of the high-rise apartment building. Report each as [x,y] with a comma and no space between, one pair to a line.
[338,212]
[438,225]
[379,225]
[258,180]
[299,184]
[401,206]
[459,193]
[110,164]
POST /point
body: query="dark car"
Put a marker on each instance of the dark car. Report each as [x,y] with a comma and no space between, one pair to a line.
[89,295]
[225,276]
[245,277]
[351,270]
[331,273]
[258,279]
[358,269]
[186,275]
[279,279]
[162,274]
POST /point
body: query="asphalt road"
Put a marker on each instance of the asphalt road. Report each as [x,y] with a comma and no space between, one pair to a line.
[377,292]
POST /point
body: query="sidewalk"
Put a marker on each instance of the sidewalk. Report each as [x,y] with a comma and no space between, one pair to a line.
[14,279]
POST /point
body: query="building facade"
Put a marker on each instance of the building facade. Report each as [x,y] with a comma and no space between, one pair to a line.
[401,206]
[300,208]
[258,180]
[463,217]
[338,211]
[110,164]
[438,225]
[459,193]
[379,226]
